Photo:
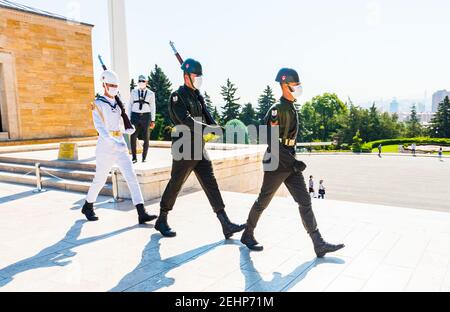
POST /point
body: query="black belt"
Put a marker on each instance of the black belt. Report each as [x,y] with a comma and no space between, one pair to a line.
[141,114]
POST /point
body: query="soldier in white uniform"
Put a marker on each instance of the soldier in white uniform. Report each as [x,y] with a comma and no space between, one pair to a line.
[143,115]
[112,149]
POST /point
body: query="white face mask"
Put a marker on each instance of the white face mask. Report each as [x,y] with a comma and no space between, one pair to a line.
[112,91]
[142,85]
[198,81]
[298,91]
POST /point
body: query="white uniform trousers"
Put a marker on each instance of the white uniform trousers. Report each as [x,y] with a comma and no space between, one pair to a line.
[106,159]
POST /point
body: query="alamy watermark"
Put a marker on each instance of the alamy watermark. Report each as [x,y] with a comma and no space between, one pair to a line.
[189,142]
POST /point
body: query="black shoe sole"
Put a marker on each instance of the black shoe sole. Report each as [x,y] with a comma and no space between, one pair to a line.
[90,219]
[229,235]
[144,221]
[166,234]
[254,248]
[322,255]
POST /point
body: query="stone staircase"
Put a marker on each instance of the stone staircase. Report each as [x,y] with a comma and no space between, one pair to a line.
[67,176]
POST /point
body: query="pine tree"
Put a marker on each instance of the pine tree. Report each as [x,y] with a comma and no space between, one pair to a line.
[414,126]
[373,132]
[160,84]
[208,102]
[216,115]
[132,84]
[265,101]
[248,115]
[231,108]
[440,125]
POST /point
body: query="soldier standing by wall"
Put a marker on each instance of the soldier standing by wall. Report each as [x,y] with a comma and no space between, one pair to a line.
[143,116]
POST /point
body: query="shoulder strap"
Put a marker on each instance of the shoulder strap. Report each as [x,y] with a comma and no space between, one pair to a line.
[95,108]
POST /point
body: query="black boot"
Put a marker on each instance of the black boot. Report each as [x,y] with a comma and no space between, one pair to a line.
[163,227]
[143,215]
[88,211]
[135,161]
[228,228]
[248,239]
[321,247]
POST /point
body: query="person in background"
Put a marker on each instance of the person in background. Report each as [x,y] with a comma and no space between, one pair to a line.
[441,151]
[142,112]
[322,190]
[413,148]
[312,192]
[380,149]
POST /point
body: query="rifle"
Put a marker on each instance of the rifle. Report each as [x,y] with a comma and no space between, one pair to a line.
[209,118]
[126,120]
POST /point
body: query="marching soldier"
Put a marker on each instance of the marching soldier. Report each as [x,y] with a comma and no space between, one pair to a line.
[289,171]
[112,149]
[186,111]
[143,116]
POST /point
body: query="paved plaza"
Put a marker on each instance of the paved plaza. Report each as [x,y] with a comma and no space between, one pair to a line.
[46,245]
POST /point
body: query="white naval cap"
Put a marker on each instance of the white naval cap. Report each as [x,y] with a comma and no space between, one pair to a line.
[110,77]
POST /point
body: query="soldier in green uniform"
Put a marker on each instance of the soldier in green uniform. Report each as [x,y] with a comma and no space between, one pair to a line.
[289,169]
[187,111]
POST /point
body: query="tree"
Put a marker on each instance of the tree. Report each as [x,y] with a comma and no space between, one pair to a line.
[160,84]
[216,115]
[414,128]
[323,117]
[132,84]
[357,142]
[374,124]
[231,108]
[208,102]
[265,102]
[248,115]
[440,125]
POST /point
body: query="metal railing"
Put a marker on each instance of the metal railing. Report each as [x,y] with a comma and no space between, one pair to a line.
[38,171]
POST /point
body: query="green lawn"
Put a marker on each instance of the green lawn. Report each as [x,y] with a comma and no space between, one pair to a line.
[387,149]
[394,149]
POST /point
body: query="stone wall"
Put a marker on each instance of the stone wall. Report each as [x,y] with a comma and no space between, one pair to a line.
[54,74]
[239,171]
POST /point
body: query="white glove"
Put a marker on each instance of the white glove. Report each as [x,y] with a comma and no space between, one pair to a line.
[130,131]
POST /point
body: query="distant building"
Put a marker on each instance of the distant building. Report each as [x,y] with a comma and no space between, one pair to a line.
[438,97]
[421,108]
[425,118]
[46,75]
[394,106]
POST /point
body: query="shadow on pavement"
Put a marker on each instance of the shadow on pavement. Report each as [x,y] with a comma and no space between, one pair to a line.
[151,255]
[10,198]
[59,254]
[278,282]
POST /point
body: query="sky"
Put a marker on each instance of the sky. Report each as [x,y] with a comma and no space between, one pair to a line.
[366,50]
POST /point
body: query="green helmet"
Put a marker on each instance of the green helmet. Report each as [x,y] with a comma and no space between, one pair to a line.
[287,75]
[192,66]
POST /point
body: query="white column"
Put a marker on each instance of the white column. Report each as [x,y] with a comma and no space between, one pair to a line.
[119,45]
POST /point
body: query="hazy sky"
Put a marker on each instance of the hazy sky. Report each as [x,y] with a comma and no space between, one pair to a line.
[367,50]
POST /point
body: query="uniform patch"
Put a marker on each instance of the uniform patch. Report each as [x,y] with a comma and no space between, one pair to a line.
[175,98]
[274,120]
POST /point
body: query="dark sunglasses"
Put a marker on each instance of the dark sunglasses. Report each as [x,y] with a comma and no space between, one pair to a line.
[141,81]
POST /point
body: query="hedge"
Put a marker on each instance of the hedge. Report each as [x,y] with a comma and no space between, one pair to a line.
[419,141]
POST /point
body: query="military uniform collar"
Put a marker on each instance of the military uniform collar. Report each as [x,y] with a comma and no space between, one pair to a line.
[110,102]
[283,100]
